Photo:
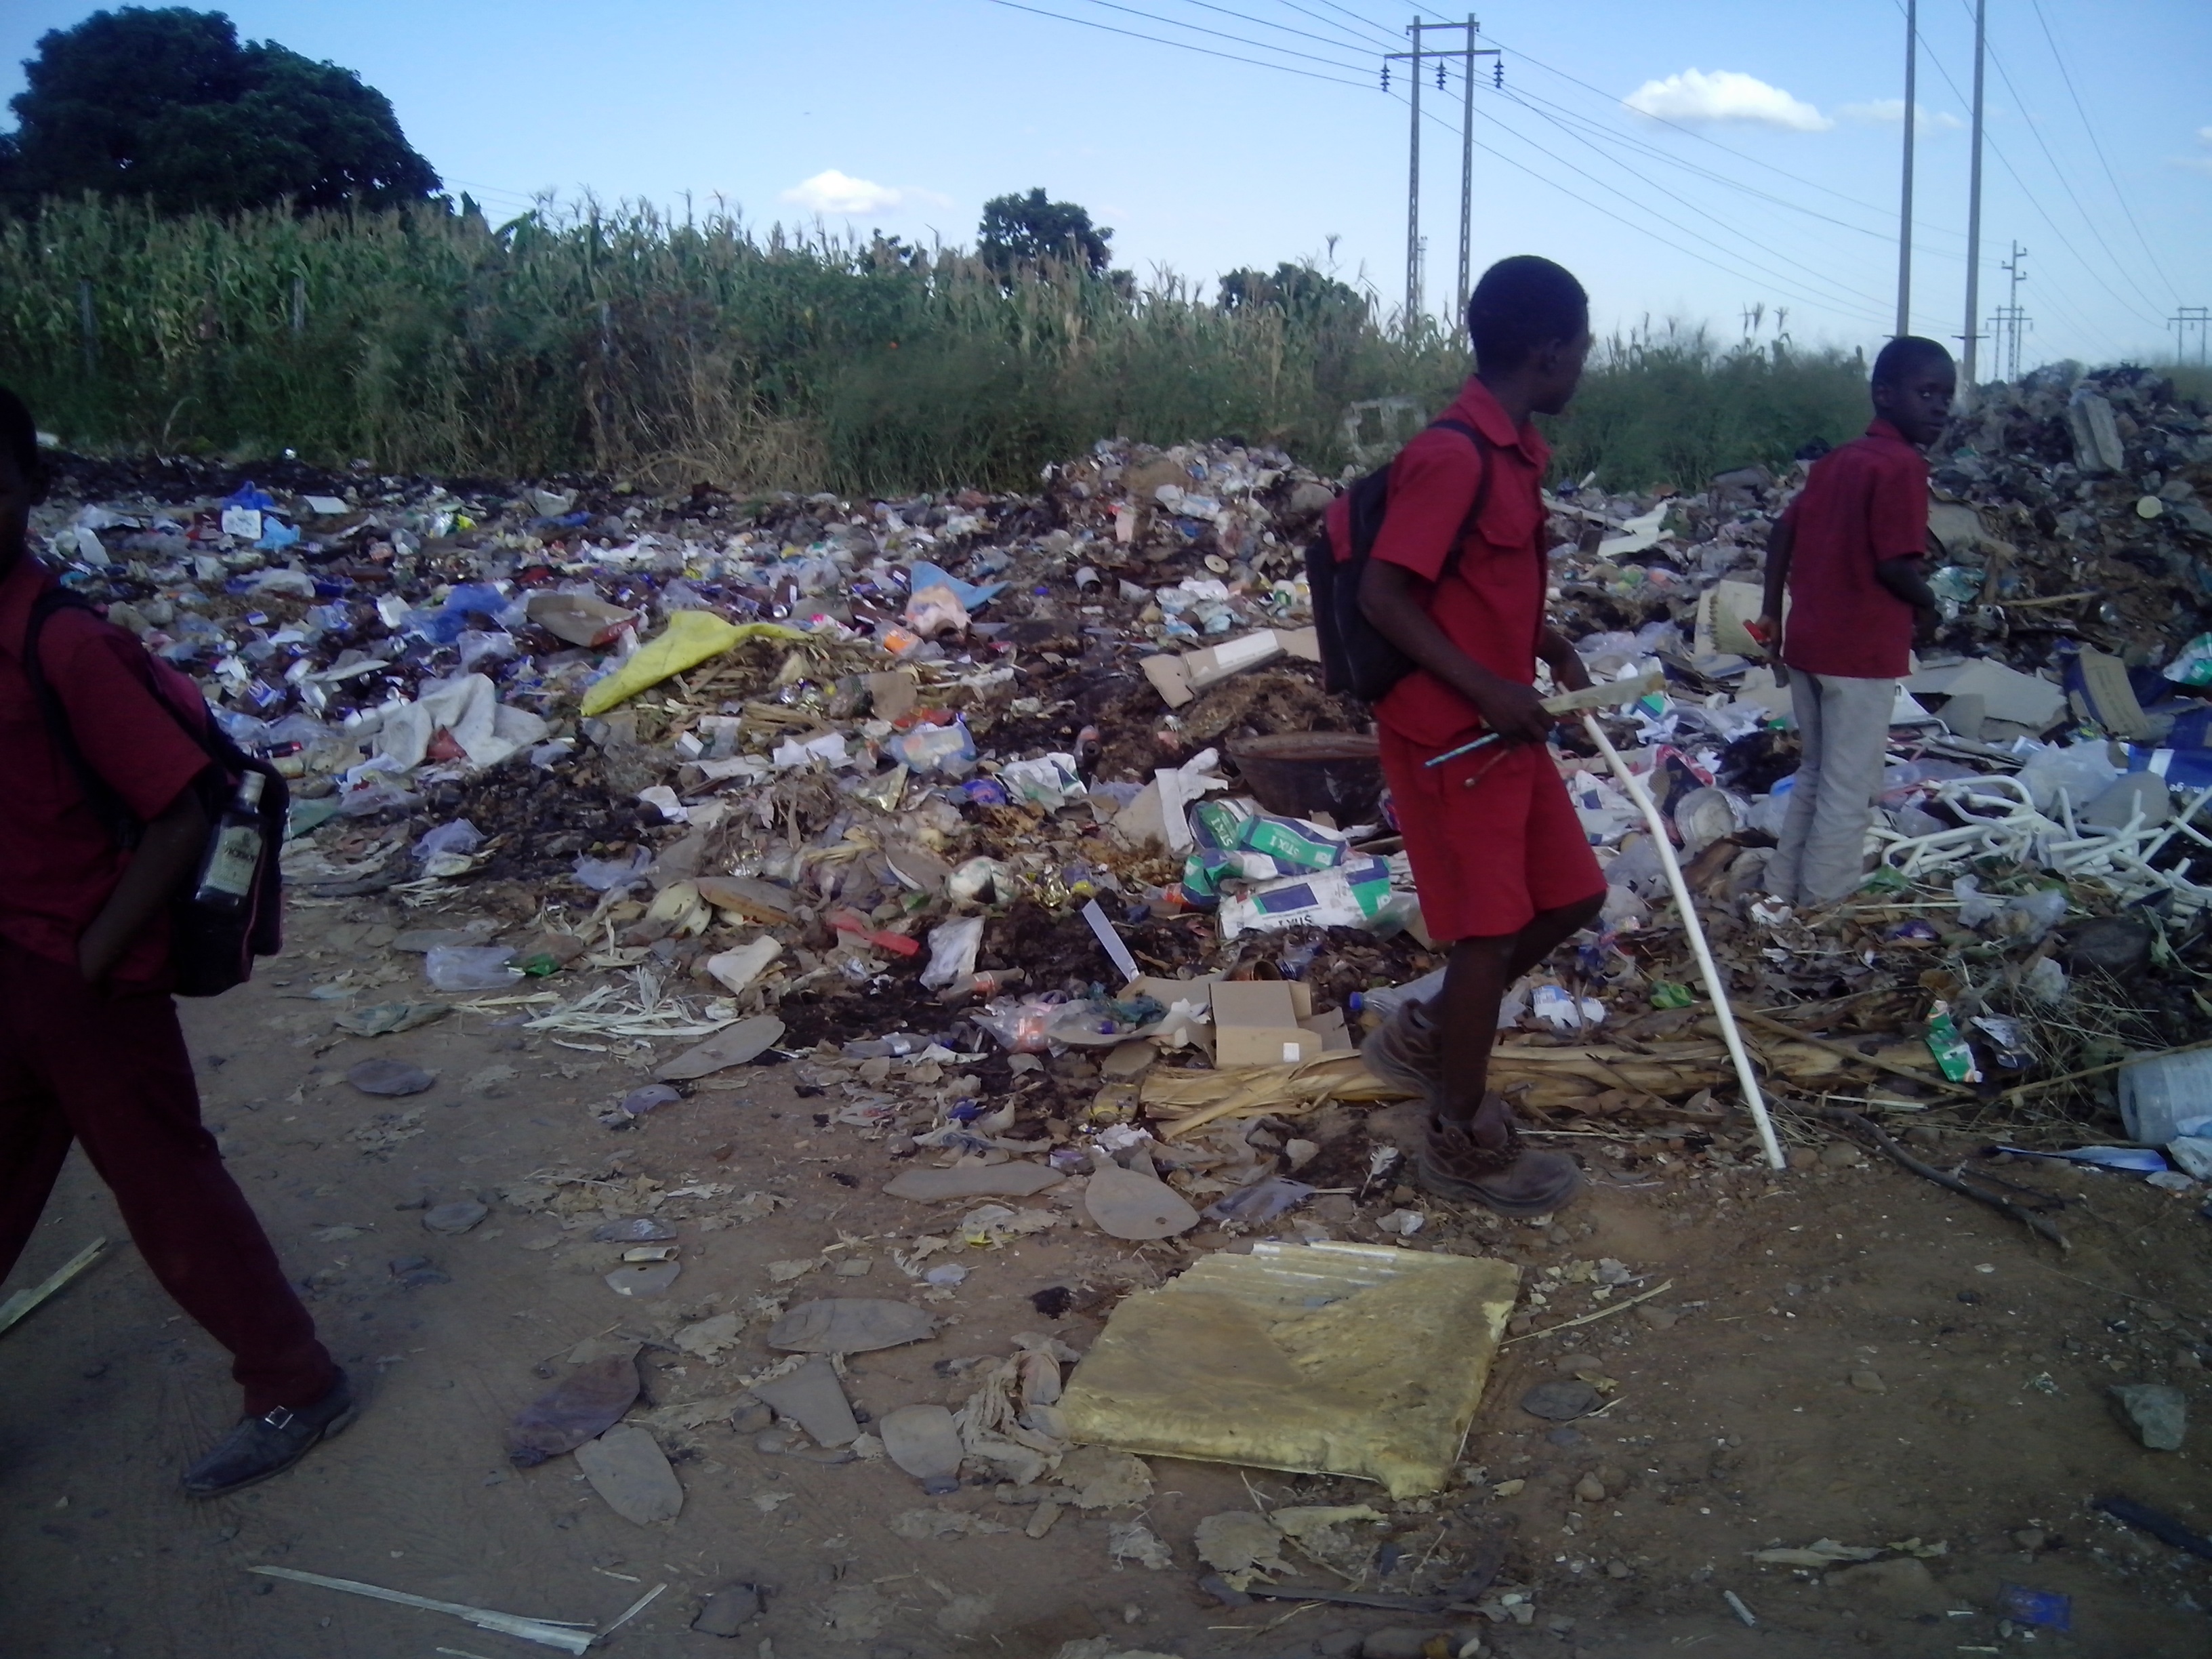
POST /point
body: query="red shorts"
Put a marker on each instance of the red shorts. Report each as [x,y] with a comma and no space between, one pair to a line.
[1492,837]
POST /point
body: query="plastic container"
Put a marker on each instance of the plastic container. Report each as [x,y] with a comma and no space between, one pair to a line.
[2165,1096]
[1299,773]
[471,967]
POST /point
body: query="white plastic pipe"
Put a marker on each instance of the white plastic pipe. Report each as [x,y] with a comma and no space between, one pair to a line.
[1714,984]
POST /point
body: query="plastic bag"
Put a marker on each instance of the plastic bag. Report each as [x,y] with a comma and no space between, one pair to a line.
[471,967]
[2083,770]
[1975,907]
[459,836]
[952,947]
[1258,1203]
[2192,666]
[605,875]
[2029,916]
[948,749]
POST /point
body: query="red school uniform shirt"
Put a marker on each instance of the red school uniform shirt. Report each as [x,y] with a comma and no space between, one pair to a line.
[58,863]
[1864,502]
[1490,604]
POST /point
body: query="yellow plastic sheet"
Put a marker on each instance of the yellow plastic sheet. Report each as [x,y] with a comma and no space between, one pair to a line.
[689,639]
[1334,1358]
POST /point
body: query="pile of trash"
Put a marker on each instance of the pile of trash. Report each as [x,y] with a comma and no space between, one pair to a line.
[1032,810]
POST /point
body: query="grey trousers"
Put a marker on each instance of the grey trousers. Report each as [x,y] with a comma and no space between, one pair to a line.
[1845,726]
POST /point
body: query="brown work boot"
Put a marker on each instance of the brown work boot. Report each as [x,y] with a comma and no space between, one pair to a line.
[1407,1052]
[1506,1178]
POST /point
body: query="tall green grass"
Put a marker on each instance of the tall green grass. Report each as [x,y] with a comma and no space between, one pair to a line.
[621,341]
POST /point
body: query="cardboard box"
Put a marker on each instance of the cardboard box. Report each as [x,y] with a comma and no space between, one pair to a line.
[1255,1022]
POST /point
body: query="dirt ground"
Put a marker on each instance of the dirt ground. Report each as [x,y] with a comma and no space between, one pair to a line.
[1845,1354]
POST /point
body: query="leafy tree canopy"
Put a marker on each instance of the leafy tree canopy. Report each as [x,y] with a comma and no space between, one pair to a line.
[1299,289]
[1018,230]
[168,104]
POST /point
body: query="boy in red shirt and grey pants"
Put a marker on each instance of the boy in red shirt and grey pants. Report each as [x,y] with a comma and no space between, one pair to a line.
[1456,580]
[90,1051]
[1850,553]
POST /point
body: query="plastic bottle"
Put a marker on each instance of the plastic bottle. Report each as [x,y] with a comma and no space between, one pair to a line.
[234,852]
[2163,1096]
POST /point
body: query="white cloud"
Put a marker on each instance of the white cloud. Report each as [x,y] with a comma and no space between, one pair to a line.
[2204,135]
[1725,95]
[1888,111]
[2196,163]
[834,192]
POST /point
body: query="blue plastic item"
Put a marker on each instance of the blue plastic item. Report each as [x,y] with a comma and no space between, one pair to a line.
[2047,1609]
[247,495]
[276,536]
[972,596]
[2135,1160]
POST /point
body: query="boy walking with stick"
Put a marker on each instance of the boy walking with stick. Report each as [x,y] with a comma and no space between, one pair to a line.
[1456,581]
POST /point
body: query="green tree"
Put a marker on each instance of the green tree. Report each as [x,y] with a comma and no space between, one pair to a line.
[1300,290]
[1022,230]
[169,106]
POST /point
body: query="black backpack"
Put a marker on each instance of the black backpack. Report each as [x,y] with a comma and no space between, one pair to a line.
[1355,658]
[209,951]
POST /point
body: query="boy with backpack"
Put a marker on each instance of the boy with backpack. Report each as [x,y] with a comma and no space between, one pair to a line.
[1450,589]
[1850,552]
[90,1049]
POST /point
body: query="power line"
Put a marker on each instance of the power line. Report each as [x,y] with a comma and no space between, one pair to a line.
[1180,46]
[1303,34]
[1366,23]
[1812,299]
[2086,328]
[2095,143]
[1596,130]
[1694,206]
[2067,184]
[1219,35]
[1703,257]
[1692,132]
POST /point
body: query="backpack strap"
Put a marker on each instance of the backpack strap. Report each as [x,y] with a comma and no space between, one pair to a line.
[106,805]
[1486,454]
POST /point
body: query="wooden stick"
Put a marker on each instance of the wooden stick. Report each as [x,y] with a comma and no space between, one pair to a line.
[2099,1071]
[1849,1052]
[1715,986]
[569,1637]
[1590,1318]
[1866,1125]
[20,1305]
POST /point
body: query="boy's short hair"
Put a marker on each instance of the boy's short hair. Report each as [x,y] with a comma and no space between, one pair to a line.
[19,433]
[1905,354]
[1523,303]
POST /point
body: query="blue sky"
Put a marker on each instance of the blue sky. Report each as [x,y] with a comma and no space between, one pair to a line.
[908,116]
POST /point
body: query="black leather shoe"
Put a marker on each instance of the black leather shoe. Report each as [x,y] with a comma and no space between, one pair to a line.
[262,1446]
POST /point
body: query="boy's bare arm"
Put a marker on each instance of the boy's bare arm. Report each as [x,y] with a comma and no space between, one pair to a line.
[167,851]
[1907,579]
[1391,597]
[1566,663]
[1779,545]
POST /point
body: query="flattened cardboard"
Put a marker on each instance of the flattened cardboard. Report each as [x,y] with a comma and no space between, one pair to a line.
[1255,1022]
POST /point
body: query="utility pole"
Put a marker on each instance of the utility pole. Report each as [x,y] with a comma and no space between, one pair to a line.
[1905,193]
[1415,246]
[2011,319]
[1974,198]
[2185,318]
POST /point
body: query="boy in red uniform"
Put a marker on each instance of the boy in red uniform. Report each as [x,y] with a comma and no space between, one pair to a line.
[1456,581]
[1850,552]
[89,1045]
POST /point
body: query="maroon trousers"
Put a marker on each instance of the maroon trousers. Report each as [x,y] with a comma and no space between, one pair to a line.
[112,1072]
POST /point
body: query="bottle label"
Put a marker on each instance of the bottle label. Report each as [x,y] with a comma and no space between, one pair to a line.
[231,865]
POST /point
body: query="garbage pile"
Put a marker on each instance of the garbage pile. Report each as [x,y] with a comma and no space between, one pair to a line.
[1024,820]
